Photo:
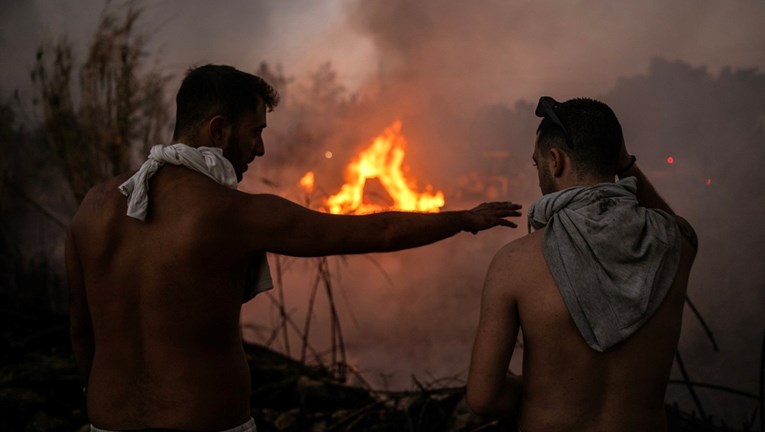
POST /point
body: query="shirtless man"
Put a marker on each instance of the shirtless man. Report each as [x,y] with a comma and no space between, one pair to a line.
[598,289]
[155,295]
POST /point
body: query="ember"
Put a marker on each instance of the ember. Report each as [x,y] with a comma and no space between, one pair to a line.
[382,160]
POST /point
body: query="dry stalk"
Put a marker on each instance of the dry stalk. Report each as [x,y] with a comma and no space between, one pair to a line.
[309,317]
[296,329]
[703,323]
[688,383]
[282,304]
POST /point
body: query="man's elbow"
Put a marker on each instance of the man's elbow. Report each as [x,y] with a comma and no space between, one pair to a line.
[481,403]
[495,399]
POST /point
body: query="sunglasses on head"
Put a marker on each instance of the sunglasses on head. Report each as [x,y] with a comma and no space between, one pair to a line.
[546,109]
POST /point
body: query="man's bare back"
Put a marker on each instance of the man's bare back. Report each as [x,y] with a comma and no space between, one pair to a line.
[567,386]
[164,297]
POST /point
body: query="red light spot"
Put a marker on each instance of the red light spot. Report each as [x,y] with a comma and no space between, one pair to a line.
[670,160]
[709,182]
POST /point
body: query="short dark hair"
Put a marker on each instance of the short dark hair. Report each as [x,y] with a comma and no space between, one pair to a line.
[212,90]
[594,131]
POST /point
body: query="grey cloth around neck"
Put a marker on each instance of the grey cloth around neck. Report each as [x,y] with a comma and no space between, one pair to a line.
[612,260]
[210,162]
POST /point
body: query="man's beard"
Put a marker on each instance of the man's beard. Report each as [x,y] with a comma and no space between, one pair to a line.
[231,152]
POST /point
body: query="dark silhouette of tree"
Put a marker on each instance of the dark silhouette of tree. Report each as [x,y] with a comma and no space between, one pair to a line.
[119,108]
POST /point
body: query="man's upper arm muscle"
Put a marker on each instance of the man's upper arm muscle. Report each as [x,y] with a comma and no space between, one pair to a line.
[277,225]
[489,389]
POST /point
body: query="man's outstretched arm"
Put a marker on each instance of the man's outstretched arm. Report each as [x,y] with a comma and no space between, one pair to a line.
[281,226]
[491,388]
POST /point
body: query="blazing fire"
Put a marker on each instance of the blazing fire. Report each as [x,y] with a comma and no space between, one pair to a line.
[382,160]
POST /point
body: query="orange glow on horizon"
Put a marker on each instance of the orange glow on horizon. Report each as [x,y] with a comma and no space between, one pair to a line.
[382,160]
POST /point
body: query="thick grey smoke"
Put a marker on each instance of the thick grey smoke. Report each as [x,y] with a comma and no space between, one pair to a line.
[497,51]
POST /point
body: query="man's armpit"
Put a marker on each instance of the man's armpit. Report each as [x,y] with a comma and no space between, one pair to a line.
[687,232]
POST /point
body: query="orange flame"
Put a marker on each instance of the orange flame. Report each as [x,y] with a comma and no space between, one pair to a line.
[307,181]
[382,160]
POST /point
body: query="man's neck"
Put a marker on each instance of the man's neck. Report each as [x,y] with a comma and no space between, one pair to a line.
[567,182]
[191,141]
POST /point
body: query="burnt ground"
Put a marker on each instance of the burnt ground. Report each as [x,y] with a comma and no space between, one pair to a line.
[40,391]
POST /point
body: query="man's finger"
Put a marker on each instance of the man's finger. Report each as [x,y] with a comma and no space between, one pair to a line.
[508,213]
[504,205]
[507,223]
[510,205]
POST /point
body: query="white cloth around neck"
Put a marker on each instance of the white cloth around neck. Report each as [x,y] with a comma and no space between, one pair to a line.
[206,160]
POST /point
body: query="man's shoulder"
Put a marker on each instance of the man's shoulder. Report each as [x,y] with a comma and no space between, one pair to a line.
[687,232]
[523,255]
[518,267]
[98,195]
[526,245]
[685,229]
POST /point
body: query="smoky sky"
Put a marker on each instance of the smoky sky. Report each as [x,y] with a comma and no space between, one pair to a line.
[485,51]
[499,51]
[463,77]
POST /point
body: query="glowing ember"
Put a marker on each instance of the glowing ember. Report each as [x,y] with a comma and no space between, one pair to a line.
[307,181]
[382,160]
[670,160]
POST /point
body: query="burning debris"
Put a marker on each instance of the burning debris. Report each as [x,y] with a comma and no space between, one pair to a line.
[383,161]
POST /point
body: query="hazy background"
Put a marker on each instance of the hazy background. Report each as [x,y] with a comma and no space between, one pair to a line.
[685,77]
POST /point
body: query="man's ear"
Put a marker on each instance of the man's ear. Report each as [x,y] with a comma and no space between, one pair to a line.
[557,161]
[219,130]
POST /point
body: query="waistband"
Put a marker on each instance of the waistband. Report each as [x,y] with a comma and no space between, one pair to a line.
[248,426]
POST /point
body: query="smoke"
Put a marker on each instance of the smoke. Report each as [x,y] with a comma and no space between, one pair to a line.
[496,51]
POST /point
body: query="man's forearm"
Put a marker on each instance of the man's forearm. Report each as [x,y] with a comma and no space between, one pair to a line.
[646,194]
[408,230]
[401,230]
[504,401]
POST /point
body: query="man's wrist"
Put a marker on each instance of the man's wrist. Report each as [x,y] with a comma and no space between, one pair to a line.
[465,223]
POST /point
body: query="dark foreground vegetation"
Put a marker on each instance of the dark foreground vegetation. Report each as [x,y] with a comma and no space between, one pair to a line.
[40,391]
